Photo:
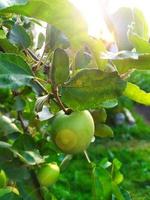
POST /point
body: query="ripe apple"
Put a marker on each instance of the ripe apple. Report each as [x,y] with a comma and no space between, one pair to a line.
[3,179]
[48,174]
[73,133]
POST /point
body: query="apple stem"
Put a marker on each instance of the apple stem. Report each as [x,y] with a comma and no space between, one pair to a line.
[61,105]
[87,157]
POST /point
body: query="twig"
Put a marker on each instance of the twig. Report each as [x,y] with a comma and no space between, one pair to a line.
[40,85]
[59,102]
[40,61]
[37,185]
[20,118]
[35,58]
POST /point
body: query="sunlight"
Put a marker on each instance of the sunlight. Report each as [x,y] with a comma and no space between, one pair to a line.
[92,12]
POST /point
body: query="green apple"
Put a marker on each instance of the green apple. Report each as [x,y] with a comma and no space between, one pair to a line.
[3,179]
[102,130]
[48,174]
[73,133]
[99,116]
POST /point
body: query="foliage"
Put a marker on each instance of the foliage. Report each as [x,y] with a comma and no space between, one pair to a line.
[65,69]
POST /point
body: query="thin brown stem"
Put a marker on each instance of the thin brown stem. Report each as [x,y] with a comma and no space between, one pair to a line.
[56,95]
[20,118]
[40,85]
[40,62]
[34,57]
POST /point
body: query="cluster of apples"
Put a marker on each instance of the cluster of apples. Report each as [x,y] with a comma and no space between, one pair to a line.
[72,133]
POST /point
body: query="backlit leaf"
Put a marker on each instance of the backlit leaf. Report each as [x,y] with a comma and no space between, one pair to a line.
[61,14]
[133,92]
[14,71]
[90,88]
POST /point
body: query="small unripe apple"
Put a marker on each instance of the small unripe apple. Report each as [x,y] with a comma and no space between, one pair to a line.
[3,179]
[102,130]
[48,174]
[73,133]
[99,116]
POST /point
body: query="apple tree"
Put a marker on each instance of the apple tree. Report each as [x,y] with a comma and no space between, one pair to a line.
[55,88]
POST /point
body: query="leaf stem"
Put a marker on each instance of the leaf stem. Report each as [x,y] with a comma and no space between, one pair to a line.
[87,157]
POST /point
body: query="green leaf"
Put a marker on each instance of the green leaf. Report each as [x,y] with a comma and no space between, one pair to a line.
[97,189]
[5,145]
[30,157]
[105,179]
[19,103]
[2,34]
[6,46]
[126,194]
[24,147]
[141,45]
[103,130]
[90,88]
[52,36]
[139,61]
[47,194]
[117,176]
[82,59]
[41,39]
[55,38]
[18,36]
[24,142]
[104,163]
[15,170]
[110,103]
[14,71]
[28,190]
[60,67]
[133,92]
[141,26]
[6,3]
[121,20]
[40,103]
[8,23]
[61,14]
[7,127]
[97,47]
[117,192]
[141,78]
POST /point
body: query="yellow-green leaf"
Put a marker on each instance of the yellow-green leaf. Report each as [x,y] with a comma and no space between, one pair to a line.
[133,92]
[62,14]
[141,45]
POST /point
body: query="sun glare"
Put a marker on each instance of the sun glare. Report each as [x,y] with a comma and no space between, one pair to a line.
[92,12]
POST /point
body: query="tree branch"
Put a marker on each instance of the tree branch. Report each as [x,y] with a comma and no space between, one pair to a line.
[20,118]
